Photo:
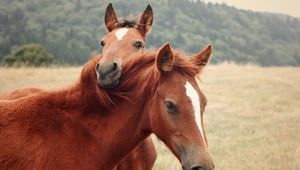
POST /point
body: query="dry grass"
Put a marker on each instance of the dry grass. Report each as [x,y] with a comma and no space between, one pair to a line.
[252,118]
[11,78]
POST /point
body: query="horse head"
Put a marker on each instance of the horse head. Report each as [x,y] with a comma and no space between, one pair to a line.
[125,37]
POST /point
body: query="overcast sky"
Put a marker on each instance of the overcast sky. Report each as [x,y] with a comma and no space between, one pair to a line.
[290,7]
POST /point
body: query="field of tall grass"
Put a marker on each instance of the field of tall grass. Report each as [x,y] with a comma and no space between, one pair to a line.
[252,118]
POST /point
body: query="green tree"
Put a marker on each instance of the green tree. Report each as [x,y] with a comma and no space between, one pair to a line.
[29,55]
[78,5]
[71,29]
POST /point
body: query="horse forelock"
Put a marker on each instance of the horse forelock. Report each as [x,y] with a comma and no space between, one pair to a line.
[127,23]
[185,65]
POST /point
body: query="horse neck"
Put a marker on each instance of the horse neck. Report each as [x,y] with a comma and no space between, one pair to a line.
[118,129]
[125,125]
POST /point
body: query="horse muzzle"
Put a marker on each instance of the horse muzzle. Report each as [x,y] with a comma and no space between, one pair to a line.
[108,76]
[195,158]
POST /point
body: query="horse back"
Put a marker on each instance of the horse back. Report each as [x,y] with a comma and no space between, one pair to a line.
[34,134]
[18,93]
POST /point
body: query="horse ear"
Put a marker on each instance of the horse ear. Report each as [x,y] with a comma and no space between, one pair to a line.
[110,18]
[203,57]
[165,58]
[146,20]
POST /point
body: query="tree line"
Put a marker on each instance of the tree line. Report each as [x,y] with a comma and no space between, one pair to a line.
[71,29]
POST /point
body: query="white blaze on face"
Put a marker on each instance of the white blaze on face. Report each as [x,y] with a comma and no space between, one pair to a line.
[121,33]
[192,93]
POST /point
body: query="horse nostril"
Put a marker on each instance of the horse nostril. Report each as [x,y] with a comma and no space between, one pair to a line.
[97,66]
[197,167]
[115,66]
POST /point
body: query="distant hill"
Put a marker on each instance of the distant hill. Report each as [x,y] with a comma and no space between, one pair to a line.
[71,29]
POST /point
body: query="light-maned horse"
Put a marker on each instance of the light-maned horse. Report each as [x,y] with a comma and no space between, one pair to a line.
[80,127]
[125,37]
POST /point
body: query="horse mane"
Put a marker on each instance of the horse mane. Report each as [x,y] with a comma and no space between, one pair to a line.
[88,81]
[183,63]
[137,73]
[108,97]
[140,72]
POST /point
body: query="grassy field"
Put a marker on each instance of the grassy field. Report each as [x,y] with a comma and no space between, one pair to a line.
[252,118]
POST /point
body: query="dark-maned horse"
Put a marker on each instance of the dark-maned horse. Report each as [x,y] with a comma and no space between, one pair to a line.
[80,127]
[133,41]
[125,38]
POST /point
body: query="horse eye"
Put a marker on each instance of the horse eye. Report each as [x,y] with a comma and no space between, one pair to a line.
[171,107]
[138,44]
[102,43]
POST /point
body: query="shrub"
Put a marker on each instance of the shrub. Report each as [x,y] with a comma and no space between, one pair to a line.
[29,55]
